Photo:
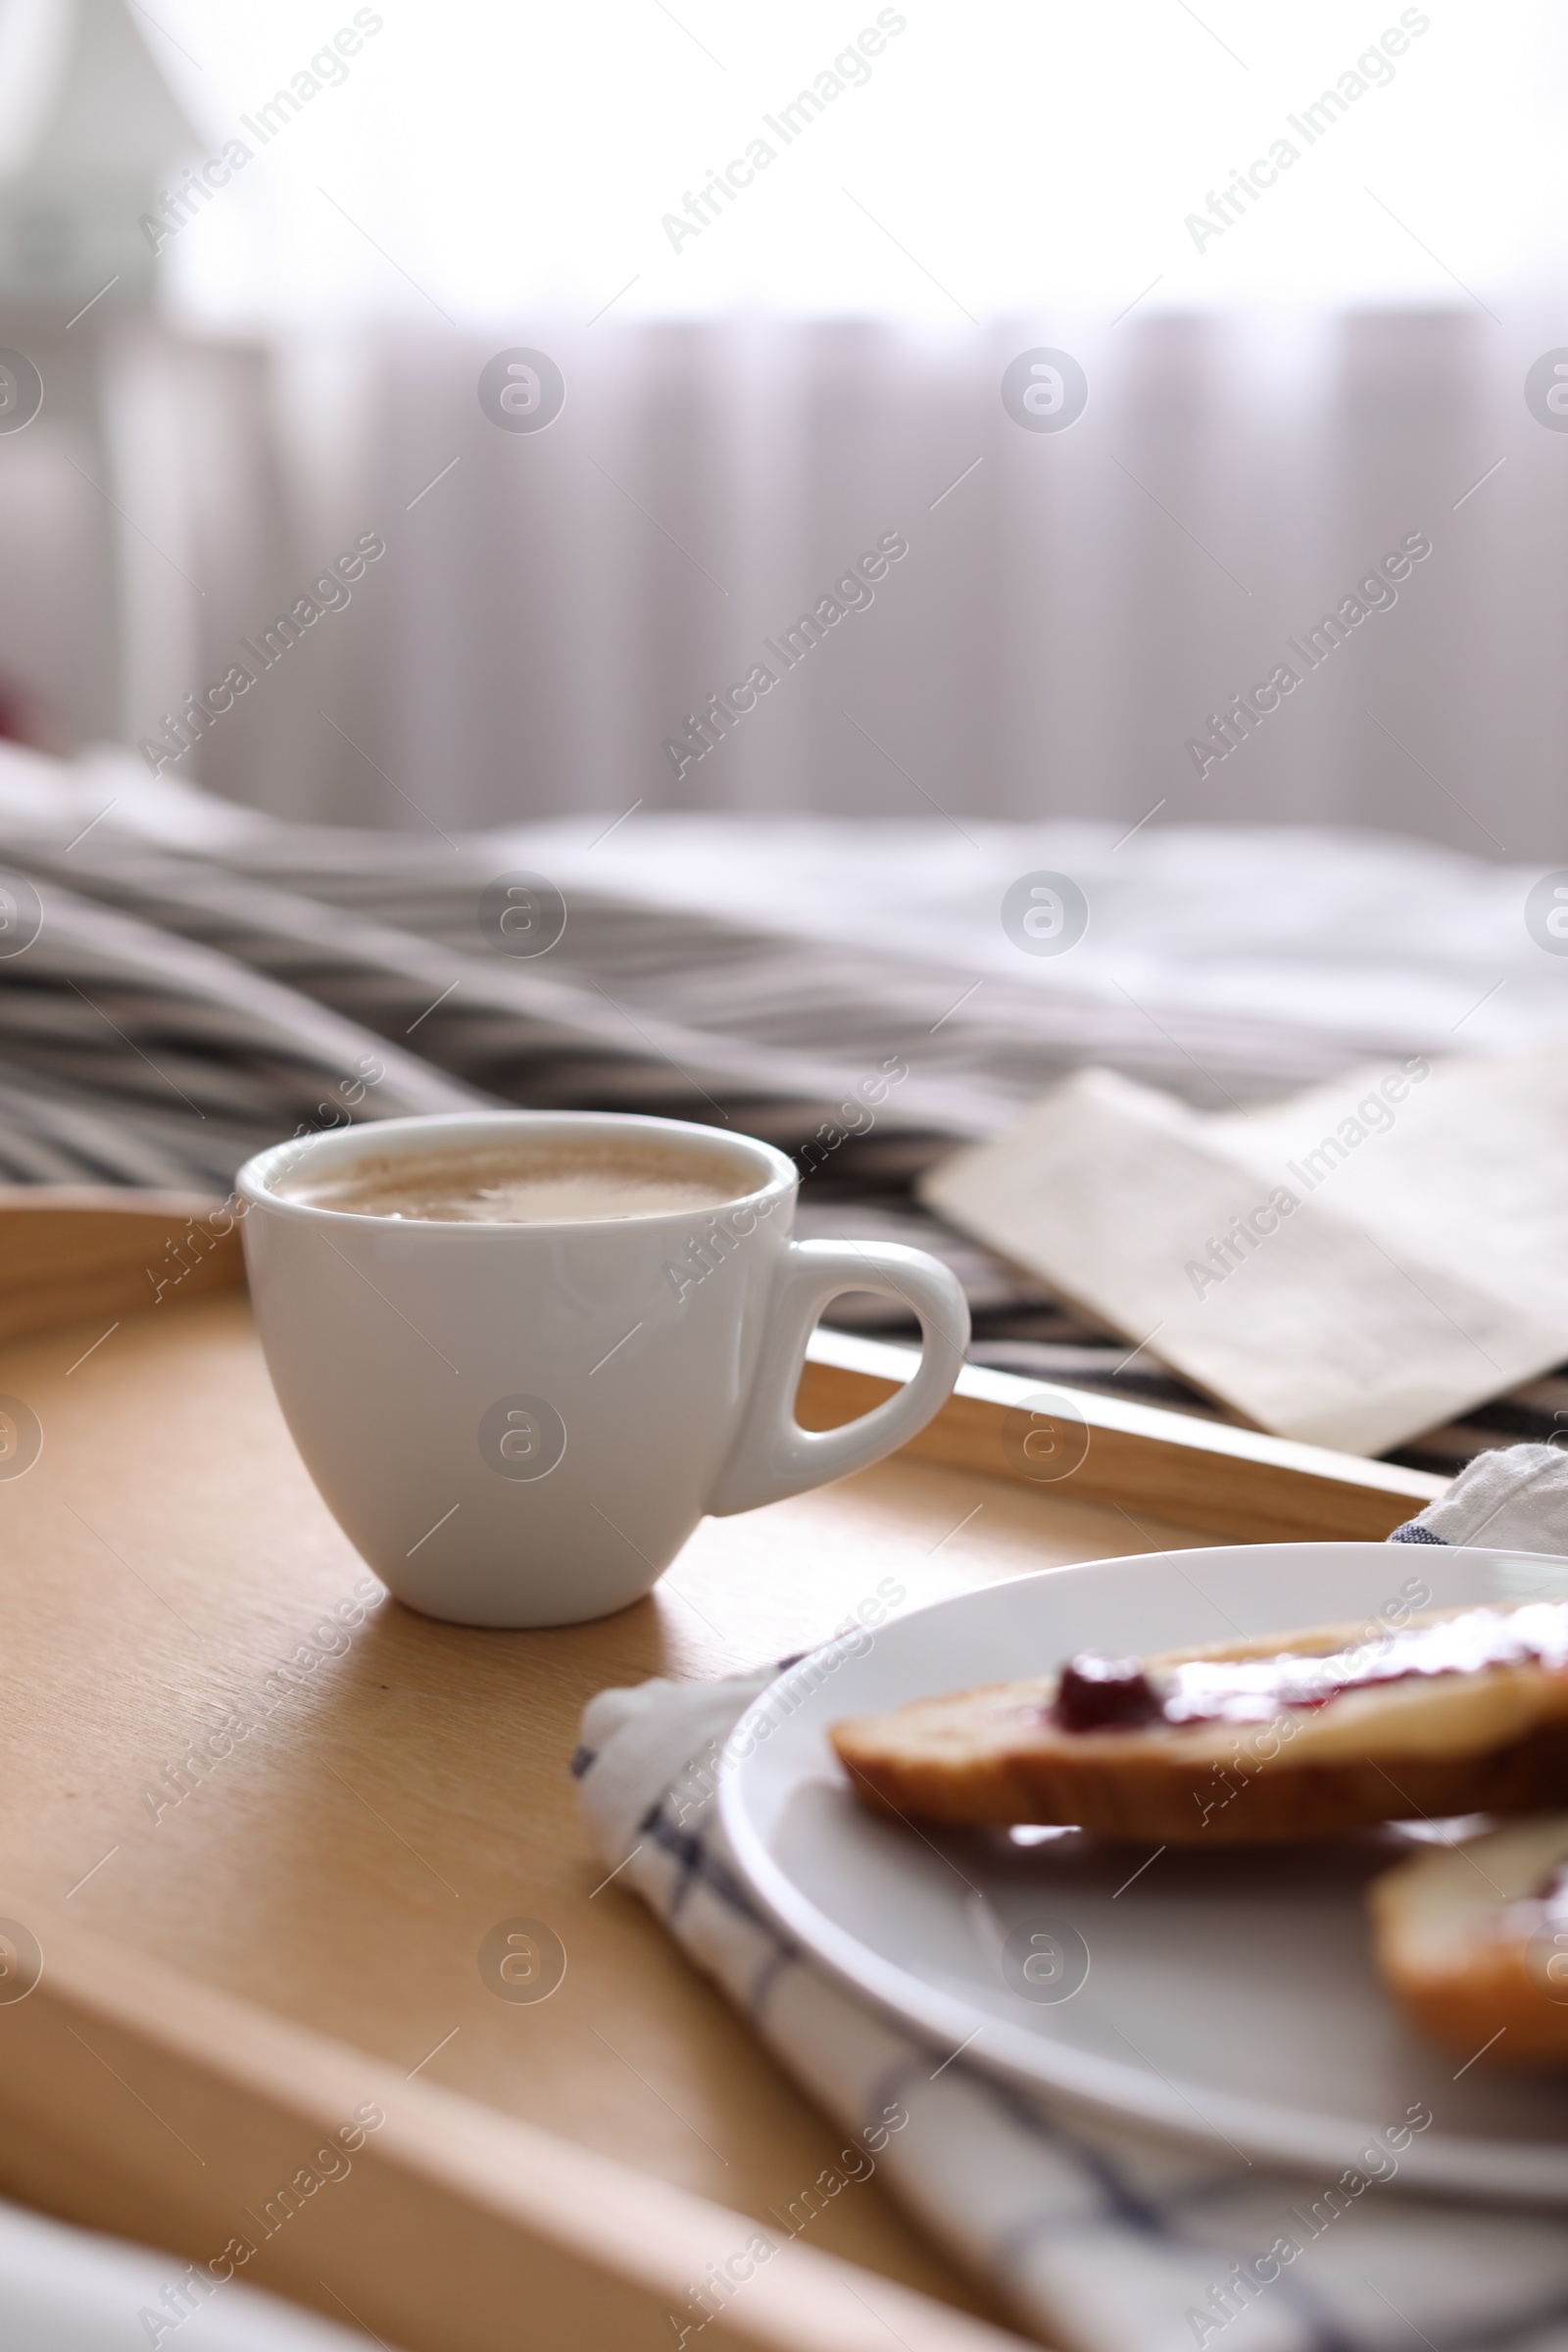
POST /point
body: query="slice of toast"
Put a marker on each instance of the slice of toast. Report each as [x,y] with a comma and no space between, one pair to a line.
[1473,1942]
[1492,1740]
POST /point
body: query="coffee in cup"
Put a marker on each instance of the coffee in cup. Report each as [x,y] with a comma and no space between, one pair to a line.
[562,1181]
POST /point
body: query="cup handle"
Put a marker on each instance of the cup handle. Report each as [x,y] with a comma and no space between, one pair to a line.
[773,1456]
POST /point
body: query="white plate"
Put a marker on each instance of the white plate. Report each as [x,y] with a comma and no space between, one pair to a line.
[1229,1997]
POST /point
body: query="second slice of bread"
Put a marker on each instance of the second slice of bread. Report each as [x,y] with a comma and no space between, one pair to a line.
[1468,1954]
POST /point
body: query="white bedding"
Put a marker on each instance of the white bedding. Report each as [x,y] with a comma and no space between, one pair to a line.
[71,2291]
[1357,934]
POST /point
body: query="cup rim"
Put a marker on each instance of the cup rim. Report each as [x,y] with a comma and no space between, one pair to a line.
[366,1136]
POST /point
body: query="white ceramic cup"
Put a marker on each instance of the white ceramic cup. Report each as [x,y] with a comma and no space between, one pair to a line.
[520,1425]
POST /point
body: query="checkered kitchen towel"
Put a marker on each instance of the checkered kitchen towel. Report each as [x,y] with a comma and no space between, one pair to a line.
[1100,2239]
[1516,1500]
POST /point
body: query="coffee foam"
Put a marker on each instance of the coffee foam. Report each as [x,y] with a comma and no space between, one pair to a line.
[551,1181]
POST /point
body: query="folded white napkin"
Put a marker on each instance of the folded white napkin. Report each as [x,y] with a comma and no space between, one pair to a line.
[1099,2238]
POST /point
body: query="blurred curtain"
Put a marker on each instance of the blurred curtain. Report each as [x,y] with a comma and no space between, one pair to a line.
[553,606]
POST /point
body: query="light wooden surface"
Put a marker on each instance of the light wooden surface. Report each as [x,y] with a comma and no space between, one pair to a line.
[94,1249]
[1239,1481]
[337,1870]
[135,2099]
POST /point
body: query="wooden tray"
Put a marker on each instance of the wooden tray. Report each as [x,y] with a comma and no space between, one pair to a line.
[241,1954]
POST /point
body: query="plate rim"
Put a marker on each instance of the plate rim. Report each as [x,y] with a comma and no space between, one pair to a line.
[1110,2091]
